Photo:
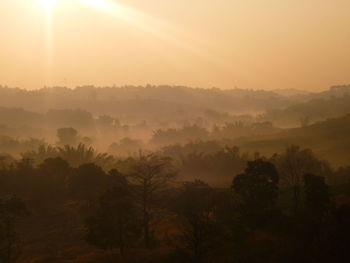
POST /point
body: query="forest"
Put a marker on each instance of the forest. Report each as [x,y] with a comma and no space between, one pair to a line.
[174,174]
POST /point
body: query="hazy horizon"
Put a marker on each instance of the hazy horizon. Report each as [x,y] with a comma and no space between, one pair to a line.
[145,85]
[158,131]
[226,44]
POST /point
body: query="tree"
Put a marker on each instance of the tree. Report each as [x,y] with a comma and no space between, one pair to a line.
[152,175]
[313,231]
[67,136]
[70,118]
[257,188]
[10,210]
[88,182]
[6,161]
[341,235]
[293,164]
[194,206]
[105,121]
[126,146]
[81,154]
[183,135]
[42,153]
[114,225]
[317,195]
[52,177]
[57,168]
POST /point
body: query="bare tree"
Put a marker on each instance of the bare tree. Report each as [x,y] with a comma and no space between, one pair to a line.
[293,164]
[152,174]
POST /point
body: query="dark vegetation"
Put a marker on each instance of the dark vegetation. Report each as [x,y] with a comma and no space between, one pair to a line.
[173,174]
[290,207]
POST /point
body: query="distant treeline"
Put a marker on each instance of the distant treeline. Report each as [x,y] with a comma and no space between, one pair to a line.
[142,101]
[328,139]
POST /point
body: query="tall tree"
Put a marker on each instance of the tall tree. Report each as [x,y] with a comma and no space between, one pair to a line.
[194,205]
[257,188]
[10,210]
[293,164]
[152,175]
[114,225]
[315,228]
[317,195]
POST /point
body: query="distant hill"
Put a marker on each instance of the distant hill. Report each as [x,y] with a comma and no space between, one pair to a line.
[329,139]
[334,91]
[284,107]
[291,92]
[142,101]
[315,107]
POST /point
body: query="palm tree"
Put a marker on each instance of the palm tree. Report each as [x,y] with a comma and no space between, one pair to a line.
[43,152]
[81,154]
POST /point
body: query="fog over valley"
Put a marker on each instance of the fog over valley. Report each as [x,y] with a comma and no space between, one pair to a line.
[237,151]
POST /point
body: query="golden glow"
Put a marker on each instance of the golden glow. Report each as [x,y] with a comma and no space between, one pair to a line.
[139,20]
[48,6]
[250,44]
[159,29]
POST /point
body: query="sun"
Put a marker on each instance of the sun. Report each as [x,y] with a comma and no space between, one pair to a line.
[47,4]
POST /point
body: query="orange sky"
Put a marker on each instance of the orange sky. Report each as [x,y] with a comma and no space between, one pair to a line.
[268,44]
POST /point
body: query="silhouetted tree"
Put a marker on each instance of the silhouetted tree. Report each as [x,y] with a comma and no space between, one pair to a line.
[42,153]
[67,136]
[340,238]
[257,188]
[10,210]
[116,178]
[152,175]
[293,164]
[57,168]
[52,177]
[115,223]
[313,226]
[195,206]
[88,182]
[317,195]
[81,154]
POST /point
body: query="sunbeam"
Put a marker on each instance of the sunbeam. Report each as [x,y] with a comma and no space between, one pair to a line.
[159,29]
[48,6]
[155,27]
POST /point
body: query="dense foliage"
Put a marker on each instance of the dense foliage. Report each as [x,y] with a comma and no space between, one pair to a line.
[144,210]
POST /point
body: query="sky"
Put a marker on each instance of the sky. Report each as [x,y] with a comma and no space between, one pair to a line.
[250,44]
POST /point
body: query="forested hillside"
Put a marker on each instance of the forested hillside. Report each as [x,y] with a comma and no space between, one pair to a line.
[160,174]
[329,139]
